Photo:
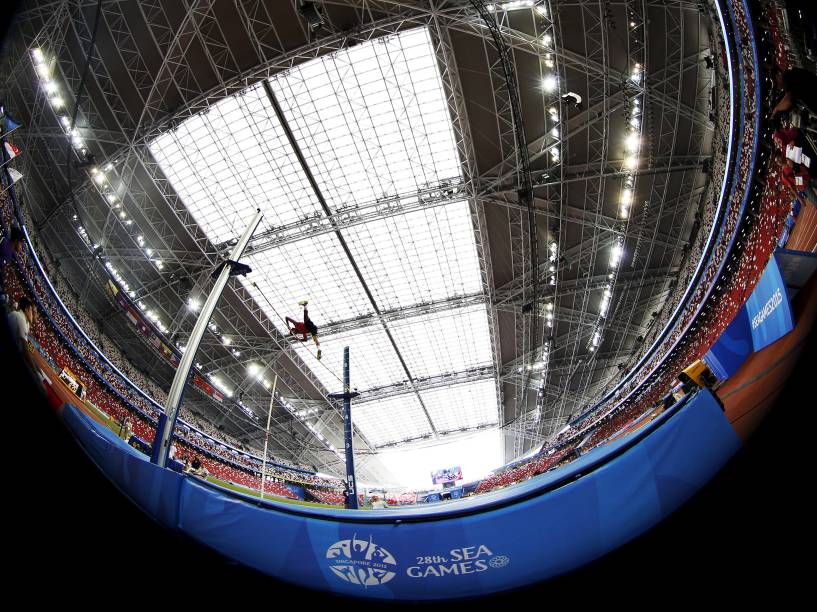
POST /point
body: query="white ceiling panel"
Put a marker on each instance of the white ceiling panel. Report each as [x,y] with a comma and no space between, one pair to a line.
[391,420]
[372,121]
[419,257]
[316,270]
[373,362]
[443,342]
[462,406]
[229,161]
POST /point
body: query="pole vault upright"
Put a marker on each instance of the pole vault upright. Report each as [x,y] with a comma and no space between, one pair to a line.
[347,395]
[228,268]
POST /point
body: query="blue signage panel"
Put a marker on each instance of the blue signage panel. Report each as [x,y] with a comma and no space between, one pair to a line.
[768,308]
[732,348]
[484,552]
[493,549]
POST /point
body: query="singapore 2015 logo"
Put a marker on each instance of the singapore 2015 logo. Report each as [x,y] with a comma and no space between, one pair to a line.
[361,562]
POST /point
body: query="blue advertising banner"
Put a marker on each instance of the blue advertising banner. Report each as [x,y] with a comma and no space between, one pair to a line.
[497,545]
[732,348]
[768,308]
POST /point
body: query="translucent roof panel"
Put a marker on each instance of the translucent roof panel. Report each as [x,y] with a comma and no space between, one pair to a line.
[418,257]
[373,362]
[316,270]
[229,161]
[372,120]
[394,419]
[461,406]
[449,341]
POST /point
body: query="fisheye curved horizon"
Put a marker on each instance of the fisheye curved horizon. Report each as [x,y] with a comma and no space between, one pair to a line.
[295,300]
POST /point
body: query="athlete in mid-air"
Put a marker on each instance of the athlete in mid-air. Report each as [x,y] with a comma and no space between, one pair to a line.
[307,327]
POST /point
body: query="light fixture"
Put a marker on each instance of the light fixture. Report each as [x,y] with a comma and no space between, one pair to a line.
[615,254]
[550,83]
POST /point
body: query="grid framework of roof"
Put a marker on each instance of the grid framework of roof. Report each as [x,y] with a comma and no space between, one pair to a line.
[371,122]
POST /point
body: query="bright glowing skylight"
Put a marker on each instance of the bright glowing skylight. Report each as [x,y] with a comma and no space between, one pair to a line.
[391,420]
[373,360]
[229,161]
[419,257]
[466,405]
[372,122]
[450,341]
[477,454]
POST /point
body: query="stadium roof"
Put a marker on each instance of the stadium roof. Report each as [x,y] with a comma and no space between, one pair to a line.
[383,147]
[371,124]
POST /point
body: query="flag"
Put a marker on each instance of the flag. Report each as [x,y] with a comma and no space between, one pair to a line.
[15,175]
[11,124]
[12,150]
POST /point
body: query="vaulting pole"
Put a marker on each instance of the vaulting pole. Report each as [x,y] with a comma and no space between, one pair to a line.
[266,437]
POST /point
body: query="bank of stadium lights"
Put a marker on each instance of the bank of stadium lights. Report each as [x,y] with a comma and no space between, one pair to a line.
[550,83]
[220,385]
[302,415]
[42,67]
[50,86]
[615,254]
[605,301]
[635,75]
[510,6]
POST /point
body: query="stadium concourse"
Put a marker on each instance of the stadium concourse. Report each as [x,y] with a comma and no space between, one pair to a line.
[759,211]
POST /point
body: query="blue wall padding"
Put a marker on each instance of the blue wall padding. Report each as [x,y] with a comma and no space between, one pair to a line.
[732,348]
[506,542]
[153,489]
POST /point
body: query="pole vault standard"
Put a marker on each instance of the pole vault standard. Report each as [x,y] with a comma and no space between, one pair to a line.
[228,268]
[266,436]
[346,396]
